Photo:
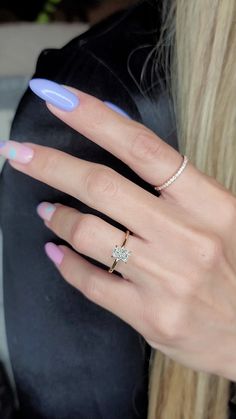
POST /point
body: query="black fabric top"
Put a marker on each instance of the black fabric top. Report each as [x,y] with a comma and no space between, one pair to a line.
[71,358]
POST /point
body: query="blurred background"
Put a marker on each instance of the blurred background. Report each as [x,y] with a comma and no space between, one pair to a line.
[26,28]
[59,10]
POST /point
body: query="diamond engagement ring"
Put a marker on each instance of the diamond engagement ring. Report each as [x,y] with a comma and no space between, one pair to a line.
[174,177]
[120,253]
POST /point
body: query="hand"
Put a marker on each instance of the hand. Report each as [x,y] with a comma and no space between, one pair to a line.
[178,287]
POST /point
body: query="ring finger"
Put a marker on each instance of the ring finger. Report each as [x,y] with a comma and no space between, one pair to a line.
[89,235]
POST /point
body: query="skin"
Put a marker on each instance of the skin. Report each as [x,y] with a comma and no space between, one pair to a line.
[178,288]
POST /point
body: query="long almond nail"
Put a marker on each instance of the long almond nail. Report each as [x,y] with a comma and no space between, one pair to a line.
[55,94]
[16,151]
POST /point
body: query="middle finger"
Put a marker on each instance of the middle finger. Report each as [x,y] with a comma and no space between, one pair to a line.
[96,185]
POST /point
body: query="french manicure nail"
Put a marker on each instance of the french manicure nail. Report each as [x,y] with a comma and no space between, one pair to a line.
[55,94]
[46,210]
[116,109]
[54,253]
[16,151]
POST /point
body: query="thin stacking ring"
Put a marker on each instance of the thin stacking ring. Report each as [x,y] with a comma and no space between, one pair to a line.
[174,177]
[120,253]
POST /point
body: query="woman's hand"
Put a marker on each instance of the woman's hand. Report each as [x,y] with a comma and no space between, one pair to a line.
[178,287]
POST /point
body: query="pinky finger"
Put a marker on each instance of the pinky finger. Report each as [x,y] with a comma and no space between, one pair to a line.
[107,290]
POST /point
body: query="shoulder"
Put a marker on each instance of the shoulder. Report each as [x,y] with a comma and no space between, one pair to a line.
[127,35]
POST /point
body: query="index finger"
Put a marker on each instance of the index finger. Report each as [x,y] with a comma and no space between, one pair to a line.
[142,150]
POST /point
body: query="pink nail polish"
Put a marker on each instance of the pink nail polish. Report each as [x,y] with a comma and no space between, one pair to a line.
[46,210]
[54,253]
[16,151]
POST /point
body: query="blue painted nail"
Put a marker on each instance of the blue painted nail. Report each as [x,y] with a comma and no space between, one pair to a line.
[116,109]
[55,94]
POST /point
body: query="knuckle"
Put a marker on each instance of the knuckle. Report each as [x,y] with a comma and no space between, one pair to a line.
[172,325]
[169,333]
[81,232]
[99,118]
[48,164]
[230,211]
[211,251]
[92,290]
[101,181]
[145,146]
[185,289]
[167,325]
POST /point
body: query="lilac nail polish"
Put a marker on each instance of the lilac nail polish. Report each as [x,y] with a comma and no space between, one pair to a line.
[46,210]
[55,94]
[2,144]
[117,109]
[16,151]
[54,253]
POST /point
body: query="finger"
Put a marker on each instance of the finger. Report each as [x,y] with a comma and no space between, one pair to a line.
[96,185]
[90,235]
[146,153]
[107,290]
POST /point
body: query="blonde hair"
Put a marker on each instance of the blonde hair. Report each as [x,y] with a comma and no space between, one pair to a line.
[197,49]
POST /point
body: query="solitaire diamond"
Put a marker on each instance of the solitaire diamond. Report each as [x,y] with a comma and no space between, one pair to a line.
[120,253]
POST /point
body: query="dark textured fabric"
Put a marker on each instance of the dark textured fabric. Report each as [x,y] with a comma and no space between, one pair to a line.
[71,358]
[6,396]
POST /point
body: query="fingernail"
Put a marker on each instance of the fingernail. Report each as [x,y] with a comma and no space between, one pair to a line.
[55,94]
[116,109]
[54,253]
[46,210]
[16,151]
